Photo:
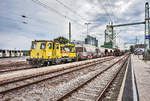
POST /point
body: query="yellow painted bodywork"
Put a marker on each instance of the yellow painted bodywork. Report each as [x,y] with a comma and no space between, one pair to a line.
[46,53]
[72,53]
[57,51]
[63,51]
[51,50]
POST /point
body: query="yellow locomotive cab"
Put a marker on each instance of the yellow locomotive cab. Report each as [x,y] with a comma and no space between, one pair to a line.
[64,52]
[41,50]
[71,52]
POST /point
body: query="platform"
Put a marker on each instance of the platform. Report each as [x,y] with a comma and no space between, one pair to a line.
[142,75]
[136,83]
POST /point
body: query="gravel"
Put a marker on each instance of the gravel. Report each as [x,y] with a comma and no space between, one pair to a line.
[96,85]
[51,93]
[56,80]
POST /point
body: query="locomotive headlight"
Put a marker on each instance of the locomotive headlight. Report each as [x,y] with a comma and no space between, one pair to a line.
[50,53]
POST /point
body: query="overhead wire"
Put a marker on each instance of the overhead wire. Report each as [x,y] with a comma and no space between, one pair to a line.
[8,18]
[70,9]
[105,10]
[54,10]
[24,21]
[73,11]
[111,9]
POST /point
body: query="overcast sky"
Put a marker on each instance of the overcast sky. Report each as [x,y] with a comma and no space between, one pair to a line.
[52,20]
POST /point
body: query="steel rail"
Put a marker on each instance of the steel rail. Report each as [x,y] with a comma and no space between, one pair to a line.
[16,69]
[45,73]
[57,75]
[101,94]
[89,80]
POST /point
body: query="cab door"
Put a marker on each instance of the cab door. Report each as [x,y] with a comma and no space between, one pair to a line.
[57,50]
[33,51]
[42,50]
[49,50]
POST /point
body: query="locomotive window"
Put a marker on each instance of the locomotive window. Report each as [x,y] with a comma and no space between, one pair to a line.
[50,45]
[57,46]
[80,49]
[66,49]
[70,49]
[34,46]
[62,49]
[43,45]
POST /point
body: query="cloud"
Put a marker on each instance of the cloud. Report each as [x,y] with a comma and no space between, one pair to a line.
[48,23]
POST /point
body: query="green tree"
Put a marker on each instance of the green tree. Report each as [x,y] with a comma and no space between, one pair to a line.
[61,40]
[132,49]
[148,51]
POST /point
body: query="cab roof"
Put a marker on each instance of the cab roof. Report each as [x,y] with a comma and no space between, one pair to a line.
[42,41]
[70,44]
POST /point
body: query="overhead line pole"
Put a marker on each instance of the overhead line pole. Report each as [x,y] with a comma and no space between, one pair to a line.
[147,27]
[146,22]
[119,25]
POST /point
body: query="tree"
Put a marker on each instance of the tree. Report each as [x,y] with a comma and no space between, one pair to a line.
[61,40]
[132,49]
[148,51]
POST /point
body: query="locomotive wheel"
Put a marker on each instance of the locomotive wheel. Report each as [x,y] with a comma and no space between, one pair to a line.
[49,63]
[45,63]
[56,61]
[39,65]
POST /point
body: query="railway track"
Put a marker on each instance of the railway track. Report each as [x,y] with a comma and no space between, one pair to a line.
[17,83]
[93,87]
[16,69]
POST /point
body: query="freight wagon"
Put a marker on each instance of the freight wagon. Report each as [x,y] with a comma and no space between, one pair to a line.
[85,51]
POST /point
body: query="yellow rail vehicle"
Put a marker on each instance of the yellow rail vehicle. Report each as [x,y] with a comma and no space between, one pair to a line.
[68,52]
[72,53]
[45,52]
